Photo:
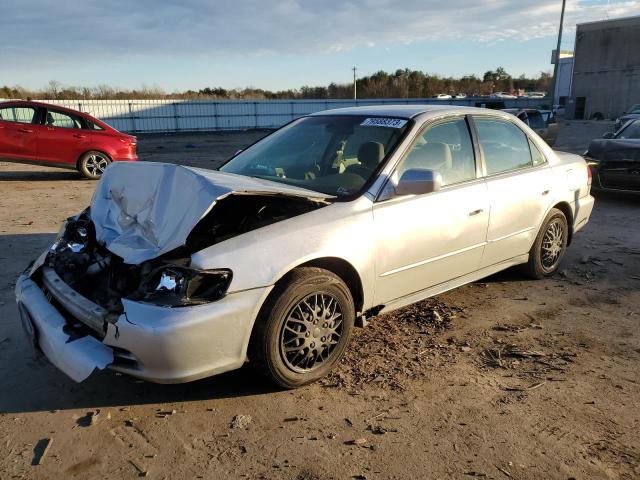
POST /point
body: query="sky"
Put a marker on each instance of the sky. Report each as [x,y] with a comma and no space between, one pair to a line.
[279,44]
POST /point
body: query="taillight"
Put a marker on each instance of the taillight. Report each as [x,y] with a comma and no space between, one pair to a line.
[132,141]
[589,178]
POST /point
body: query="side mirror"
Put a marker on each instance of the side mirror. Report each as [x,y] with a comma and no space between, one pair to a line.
[417,181]
[608,135]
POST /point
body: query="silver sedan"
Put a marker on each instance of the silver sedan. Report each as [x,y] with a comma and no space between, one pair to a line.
[176,273]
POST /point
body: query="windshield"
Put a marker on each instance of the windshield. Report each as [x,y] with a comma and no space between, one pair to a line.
[335,155]
[631,131]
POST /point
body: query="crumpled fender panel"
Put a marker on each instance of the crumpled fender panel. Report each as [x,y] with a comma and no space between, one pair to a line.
[142,210]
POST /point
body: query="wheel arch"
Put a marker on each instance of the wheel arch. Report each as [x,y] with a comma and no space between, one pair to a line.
[340,267]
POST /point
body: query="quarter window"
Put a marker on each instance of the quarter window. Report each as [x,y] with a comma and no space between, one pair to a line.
[62,120]
[504,146]
[445,148]
[536,156]
[17,114]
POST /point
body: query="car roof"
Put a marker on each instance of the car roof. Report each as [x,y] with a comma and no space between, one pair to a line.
[519,110]
[401,111]
[33,103]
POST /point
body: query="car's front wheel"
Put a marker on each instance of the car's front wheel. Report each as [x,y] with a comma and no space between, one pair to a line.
[93,164]
[304,327]
[550,246]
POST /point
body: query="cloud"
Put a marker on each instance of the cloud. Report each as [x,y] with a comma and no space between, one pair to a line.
[35,31]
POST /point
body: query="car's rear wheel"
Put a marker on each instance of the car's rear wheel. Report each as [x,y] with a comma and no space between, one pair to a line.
[550,246]
[93,164]
[304,328]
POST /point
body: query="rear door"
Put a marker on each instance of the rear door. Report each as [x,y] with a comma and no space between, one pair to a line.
[62,139]
[18,134]
[519,182]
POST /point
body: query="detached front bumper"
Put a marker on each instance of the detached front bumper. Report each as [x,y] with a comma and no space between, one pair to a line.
[159,344]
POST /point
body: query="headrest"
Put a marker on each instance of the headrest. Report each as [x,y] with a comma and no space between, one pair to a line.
[432,155]
[50,120]
[370,154]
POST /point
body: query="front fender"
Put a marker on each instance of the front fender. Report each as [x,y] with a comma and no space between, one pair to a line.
[261,257]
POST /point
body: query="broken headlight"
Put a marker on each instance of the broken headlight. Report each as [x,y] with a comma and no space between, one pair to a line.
[75,235]
[177,286]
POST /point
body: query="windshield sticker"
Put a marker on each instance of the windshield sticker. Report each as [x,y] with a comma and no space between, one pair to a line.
[384,122]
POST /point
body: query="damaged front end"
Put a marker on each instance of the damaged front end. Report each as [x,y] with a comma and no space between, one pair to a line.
[116,290]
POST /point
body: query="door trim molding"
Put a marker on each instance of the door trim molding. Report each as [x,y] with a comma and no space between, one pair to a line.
[432,259]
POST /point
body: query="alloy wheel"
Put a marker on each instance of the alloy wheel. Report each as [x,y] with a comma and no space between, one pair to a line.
[312,330]
[552,245]
[96,164]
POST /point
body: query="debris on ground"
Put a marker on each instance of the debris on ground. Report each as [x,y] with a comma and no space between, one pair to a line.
[356,441]
[40,450]
[240,422]
[403,341]
[141,471]
[93,418]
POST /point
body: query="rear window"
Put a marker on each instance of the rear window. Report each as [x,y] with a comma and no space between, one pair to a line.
[536,120]
[505,147]
[17,114]
[89,125]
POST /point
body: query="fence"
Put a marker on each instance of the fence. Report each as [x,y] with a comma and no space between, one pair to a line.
[207,115]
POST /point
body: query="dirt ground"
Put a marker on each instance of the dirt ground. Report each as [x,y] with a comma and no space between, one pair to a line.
[502,379]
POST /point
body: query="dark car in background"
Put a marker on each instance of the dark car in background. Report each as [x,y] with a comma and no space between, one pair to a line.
[632,113]
[615,159]
[44,134]
[543,122]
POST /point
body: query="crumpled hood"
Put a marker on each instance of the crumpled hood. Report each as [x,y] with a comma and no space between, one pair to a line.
[144,209]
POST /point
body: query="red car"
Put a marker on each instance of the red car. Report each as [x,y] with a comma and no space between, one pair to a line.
[43,134]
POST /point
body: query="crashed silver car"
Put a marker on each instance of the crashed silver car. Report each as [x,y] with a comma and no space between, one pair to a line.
[175,273]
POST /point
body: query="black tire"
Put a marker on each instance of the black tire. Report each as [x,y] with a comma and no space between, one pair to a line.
[92,164]
[286,328]
[548,250]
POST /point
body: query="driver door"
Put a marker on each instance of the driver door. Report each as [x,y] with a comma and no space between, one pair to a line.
[425,240]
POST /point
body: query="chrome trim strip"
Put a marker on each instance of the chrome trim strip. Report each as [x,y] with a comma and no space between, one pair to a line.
[511,235]
[433,259]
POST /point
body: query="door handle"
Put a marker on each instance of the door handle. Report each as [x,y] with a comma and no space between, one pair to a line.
[476,212]
[25,130]
[77,135]
[545,192]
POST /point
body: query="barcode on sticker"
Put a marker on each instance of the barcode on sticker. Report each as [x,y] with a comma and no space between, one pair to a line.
[384,122]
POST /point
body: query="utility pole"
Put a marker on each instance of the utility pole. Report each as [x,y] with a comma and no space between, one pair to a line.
[557,59]
[355,93]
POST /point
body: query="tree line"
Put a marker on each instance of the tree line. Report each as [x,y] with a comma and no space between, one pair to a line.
[403,83]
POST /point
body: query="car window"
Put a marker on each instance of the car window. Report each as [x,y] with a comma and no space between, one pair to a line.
[89,125]
[333,154]
[536,155]
[536,120]
[445,148]
[504,146]
[17,114]
[631,131]
[62,120]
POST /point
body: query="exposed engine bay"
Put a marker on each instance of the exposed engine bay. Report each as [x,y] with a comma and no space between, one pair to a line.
[88,267]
